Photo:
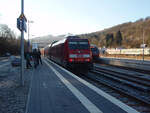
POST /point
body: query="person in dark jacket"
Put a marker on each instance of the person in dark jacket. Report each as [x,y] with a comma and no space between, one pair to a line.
[39,57]
[28,58]
[35,58]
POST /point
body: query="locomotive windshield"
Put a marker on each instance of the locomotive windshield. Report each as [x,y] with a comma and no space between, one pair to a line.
[95,50]
[79,45]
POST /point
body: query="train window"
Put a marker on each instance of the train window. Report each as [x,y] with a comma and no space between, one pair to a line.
[78,45]
[83,42]
[73,43]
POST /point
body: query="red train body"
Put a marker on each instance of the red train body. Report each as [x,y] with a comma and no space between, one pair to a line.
[95,52]
[71,52]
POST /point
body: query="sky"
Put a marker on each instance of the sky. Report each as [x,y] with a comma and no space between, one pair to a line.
[57,17]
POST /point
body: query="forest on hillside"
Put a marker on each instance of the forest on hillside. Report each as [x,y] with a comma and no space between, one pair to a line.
[9,42]
[126,35]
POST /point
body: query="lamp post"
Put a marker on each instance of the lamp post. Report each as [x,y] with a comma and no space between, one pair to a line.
[29,33]
[143,44]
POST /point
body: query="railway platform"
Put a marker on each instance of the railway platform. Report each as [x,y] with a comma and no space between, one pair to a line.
[56,90]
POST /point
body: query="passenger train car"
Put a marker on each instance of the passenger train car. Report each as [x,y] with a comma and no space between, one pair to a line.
[95,52]
[71,52]
[133,51]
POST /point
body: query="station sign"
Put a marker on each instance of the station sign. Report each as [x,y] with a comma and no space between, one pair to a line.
[21,23]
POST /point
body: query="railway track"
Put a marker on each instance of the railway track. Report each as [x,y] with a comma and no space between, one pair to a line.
[122,86]
[131,86]
[132,76]
[139,66]
[134,61]
[131,68]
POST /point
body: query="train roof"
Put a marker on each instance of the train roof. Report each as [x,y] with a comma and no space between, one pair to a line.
[67,38]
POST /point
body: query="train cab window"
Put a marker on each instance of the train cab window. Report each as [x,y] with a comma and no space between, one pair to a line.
[79,45]
[94,50]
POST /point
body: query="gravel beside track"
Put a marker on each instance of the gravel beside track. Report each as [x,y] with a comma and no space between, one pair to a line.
[13,97]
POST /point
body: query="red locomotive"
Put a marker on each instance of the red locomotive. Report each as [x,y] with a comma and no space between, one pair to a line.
[71,52]
[95,52]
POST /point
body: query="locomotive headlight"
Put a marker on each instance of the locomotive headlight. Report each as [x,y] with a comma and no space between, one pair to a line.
[72,56]
[86,55]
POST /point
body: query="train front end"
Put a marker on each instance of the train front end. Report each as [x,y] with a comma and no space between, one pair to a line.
[95,52]
[79,55]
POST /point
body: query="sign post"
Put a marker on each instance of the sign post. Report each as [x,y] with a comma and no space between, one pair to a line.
[21,25]
[22,45]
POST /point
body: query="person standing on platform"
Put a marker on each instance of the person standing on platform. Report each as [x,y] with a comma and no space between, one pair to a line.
[39,57]
[35,58]
[28,58]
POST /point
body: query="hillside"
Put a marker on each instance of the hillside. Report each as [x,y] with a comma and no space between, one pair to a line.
[126,35]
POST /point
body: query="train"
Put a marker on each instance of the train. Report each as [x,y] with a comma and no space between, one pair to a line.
[70,52]
[95,52]
[133,51]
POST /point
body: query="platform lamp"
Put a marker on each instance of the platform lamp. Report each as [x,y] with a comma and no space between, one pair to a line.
[29,33]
